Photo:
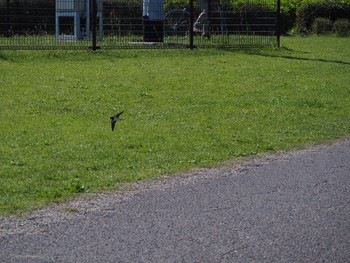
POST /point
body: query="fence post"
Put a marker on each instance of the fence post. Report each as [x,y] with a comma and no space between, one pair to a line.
[278,22]
[8,18]
[93,23]
[191,24]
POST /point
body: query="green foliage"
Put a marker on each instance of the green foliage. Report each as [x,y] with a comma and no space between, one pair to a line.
[322,26]
[309,11]
[169,4]
[342,27]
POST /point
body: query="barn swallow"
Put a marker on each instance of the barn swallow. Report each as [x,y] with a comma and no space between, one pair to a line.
[114,119]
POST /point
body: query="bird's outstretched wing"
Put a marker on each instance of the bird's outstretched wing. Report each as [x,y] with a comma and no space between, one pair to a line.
[120,113]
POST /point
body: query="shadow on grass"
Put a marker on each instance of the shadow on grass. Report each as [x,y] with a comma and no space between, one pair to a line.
[2,56]
[264,53]
[305,59]
[117,54]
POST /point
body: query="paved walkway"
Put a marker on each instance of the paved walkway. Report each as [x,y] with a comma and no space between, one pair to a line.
[292,207]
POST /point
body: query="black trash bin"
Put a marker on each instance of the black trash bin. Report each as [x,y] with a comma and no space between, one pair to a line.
[152,30]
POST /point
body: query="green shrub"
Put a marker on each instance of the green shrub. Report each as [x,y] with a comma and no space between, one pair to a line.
[322,26]
[308,12]
[342,27]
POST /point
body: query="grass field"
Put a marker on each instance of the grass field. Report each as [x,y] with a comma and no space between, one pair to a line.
[136,41]
[183,109]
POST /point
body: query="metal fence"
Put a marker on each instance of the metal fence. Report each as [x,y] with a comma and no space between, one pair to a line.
[102,24]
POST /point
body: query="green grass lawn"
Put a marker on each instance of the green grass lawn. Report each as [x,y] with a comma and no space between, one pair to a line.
[183,109]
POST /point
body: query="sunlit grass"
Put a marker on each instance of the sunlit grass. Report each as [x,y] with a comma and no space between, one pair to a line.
[183,109]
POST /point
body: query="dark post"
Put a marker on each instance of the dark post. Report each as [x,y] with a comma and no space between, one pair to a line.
[93,23]
[8,18]
[278,22]
[191,24]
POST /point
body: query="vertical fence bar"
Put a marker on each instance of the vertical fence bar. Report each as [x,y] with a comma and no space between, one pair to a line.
[191,23]
[93,23]
[278,23]
[8,18]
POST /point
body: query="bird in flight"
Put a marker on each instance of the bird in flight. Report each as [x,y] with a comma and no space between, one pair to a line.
[114,119]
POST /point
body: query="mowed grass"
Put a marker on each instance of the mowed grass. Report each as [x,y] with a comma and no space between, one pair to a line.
[182,109]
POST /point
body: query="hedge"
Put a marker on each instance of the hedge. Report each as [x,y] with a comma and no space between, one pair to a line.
[309,12]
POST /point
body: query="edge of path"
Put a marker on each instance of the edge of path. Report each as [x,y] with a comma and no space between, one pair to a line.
[102,201]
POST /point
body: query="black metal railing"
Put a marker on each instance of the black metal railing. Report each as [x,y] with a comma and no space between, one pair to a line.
[102,24]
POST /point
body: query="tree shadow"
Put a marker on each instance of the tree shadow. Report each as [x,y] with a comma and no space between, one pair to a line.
[293,57]
[306,59]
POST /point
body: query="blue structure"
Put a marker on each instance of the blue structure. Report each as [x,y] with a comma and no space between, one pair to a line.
[153,9]
[79,12]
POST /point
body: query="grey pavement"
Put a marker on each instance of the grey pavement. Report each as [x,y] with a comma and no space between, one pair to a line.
[288,207]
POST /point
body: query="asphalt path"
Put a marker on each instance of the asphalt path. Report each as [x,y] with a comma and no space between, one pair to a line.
[288,207]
